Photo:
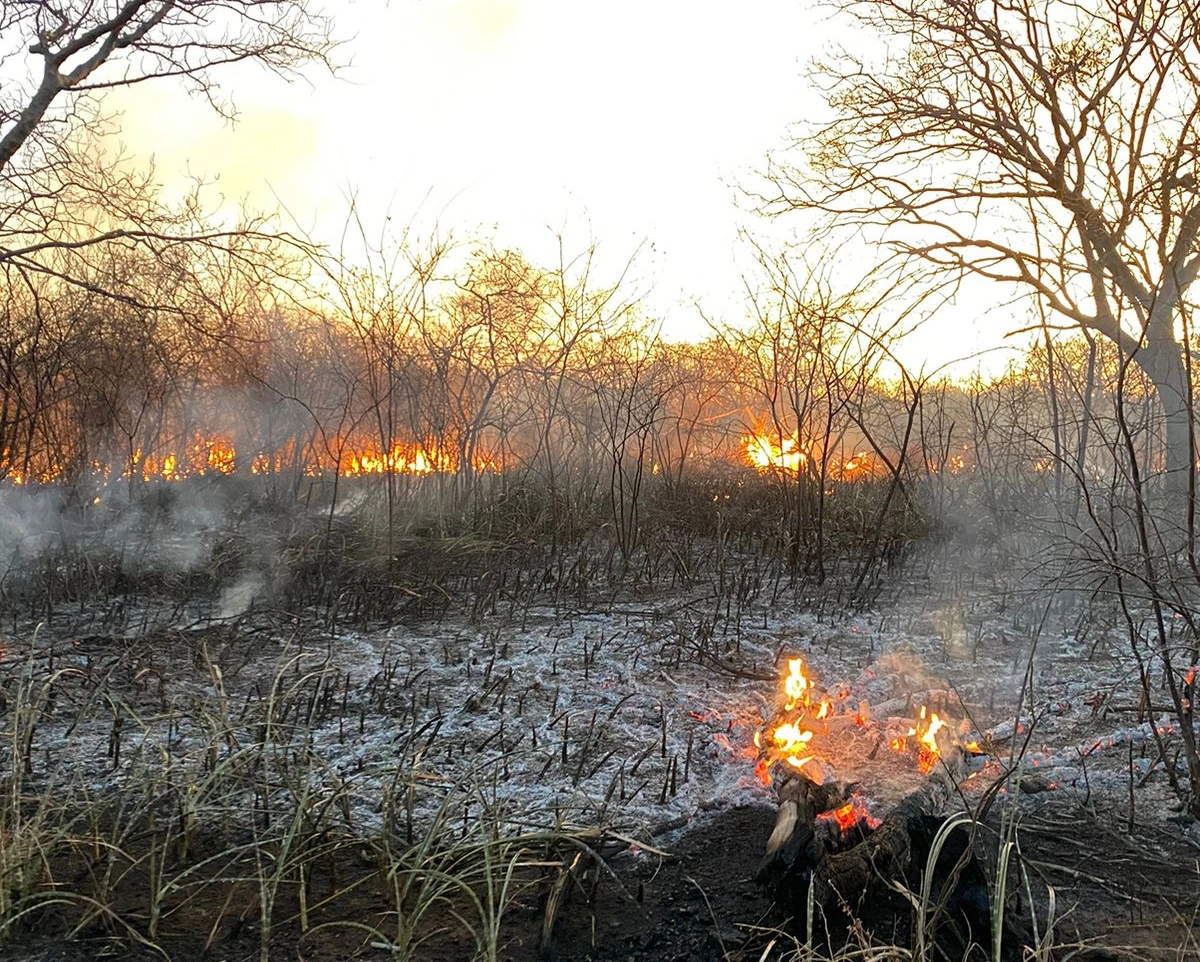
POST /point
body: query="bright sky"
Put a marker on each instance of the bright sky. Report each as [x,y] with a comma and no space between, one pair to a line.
[630,123]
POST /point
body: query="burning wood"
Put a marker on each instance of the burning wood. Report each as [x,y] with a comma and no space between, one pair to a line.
[831,844]
[807,714]
[827,847]
[922,737]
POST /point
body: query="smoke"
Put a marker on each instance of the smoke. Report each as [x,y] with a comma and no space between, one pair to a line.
[212,537]
[237,599]
[31,523]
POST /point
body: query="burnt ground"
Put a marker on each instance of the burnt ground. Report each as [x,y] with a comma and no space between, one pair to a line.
[1124,896]
[1124,868]
[1127,897]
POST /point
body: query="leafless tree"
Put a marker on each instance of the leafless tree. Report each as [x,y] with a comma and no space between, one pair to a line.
[579,313]
[632,382]
[60,199]
[1053,148]
[384,290]
[808,368]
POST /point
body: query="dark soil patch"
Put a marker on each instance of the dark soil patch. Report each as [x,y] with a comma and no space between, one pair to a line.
[1119,895]
[1124,896]
[700,903]
[1130,893]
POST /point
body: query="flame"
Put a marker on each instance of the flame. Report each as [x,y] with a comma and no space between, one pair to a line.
[398,460]
[790,736]
[924,736]
[797,684]
[790,740]
[790,456]
[850,814]
[765,454]
[176,457]
[210,454]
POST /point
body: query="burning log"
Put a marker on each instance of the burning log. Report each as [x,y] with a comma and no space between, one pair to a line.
[851,867]
[888,852]
[794,841]
[796,849]
[830,862]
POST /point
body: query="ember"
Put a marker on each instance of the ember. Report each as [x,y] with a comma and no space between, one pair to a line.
[808,711]
[850,815]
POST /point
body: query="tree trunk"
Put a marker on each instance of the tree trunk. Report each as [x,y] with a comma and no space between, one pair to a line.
[1162,361]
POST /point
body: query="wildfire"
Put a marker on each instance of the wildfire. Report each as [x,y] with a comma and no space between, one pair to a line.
[765,454]
[797,685]
[398,460]
[217,454]
[790,456]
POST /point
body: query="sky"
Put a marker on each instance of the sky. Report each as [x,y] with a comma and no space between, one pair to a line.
[635,125]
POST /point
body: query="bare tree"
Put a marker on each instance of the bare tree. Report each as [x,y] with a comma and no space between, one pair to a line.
[1055,148]
[809,369]
[387,302]
[1052,147]
[59,199]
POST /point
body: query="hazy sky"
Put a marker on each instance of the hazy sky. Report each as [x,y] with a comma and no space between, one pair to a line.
[629,122]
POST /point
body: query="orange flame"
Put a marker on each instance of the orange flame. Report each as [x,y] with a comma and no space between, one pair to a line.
[786,455]
[790,740]
[850,814]
[796,685]
[203,454]
[790,456]
[924,735]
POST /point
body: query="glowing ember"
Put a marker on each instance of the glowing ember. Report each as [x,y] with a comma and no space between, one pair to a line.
[851,814]
[807,711]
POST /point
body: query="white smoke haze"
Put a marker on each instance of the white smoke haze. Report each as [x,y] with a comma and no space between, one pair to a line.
[237,599]
[31,522]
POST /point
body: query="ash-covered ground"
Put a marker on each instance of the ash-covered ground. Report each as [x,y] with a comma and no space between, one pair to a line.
[631,722]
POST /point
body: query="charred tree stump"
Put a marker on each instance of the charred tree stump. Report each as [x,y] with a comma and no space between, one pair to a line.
[854,875]
[888,853]
[795,847]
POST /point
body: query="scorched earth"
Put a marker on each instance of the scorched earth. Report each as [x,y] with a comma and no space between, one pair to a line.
[603,769]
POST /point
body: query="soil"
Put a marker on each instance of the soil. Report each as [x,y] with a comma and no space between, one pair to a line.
[1122,896]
